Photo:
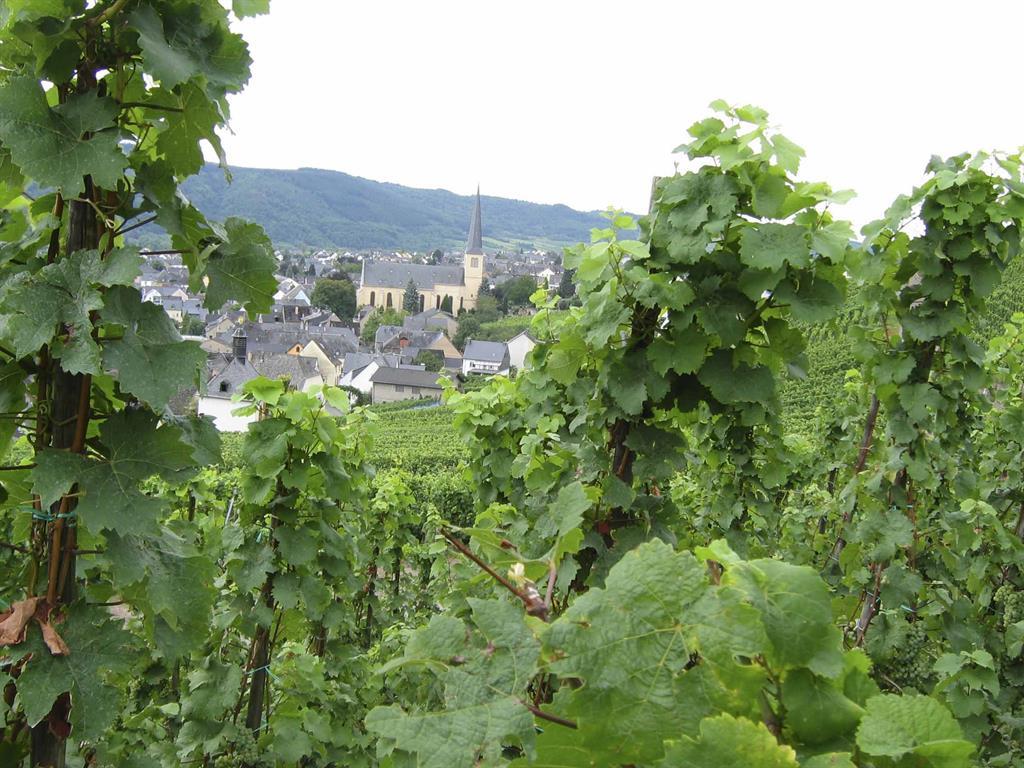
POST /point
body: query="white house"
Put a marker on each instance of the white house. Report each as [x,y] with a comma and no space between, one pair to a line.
[487,357]
[518,347]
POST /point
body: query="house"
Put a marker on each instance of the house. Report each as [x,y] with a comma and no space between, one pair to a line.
[432,320]
[329,350]
[383,283]
[518,347]
[242,366]
[391,384]
[395,338]
[487,357]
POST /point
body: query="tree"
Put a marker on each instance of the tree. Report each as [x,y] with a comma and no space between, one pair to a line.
[566,286]
[435,256]
[380,316]
[192,326]
[339,296]
[446,305]
[469,327]
[430,359]
[515,292]
[411,298]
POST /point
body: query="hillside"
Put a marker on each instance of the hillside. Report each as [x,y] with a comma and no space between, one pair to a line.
[330,209]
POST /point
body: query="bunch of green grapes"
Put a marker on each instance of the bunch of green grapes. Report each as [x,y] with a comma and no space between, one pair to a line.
[1012,601]
[243,751]
[911,662]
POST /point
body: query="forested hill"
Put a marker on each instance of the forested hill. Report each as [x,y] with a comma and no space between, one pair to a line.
[331,209]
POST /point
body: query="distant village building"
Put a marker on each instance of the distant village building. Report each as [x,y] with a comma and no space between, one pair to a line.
[519,347]
[487,357]
[383,284]
[244,366]
[391,384]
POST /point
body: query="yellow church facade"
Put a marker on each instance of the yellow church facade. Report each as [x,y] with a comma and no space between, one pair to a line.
[383,284]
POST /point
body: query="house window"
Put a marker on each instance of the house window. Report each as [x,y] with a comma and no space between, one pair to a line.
[415,390]
[399,388]
[373,298]
[223,386]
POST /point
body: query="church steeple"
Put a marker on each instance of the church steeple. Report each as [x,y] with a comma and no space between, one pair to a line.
[475,241]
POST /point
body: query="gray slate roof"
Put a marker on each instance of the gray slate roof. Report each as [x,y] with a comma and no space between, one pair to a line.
[234,374]
[296,369]
[430,318]
[486,351]
[387,334]
[406,377]
[355,361]
[388,274]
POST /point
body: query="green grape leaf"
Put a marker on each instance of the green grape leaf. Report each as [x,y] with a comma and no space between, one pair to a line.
[99,645]
[741,383]
[897,726]
[150,360]
[796,610]
[829,760]
[49,145]
[817,711]
[632,648]
[197,121]
[241,268]
[771,246]
[63,293]
[565,513]
[730,742]
[484,688]
[179,47]
[814,300]
[682,352]
[165,575]
[133,448]
[243,8]
[296,545]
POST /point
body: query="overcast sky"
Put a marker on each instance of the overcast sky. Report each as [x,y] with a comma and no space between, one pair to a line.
[582,102]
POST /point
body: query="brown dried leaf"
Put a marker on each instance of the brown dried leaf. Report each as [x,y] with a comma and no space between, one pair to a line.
[15,621]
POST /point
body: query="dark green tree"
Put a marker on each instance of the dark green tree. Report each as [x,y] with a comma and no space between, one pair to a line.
[411,298]
[515,292]
[381,316]
[446,304]
[339,296]
[566,286]
[192,326]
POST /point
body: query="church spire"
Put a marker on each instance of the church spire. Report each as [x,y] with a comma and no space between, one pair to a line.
[475,242]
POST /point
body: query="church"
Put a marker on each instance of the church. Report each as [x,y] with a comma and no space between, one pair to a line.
[383,283]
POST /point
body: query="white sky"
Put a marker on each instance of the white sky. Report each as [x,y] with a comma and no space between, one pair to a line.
[581,103]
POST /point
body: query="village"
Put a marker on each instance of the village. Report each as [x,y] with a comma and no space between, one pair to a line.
[402,339]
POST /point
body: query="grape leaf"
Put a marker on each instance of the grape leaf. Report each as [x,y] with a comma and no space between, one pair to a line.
[49,145]
[181,46]
[241,268]
[771,246]
[741,383]
[165,575]
[730,742]
[63,293]
[150,361]
[898,726]
[99,645]
[484,686]
[133,447]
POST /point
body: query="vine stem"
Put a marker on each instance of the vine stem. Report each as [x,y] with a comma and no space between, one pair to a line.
[538,712]
[534,606]
[862,458]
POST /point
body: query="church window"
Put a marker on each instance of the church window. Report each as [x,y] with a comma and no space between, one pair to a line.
[423,299]
[437,301]
[389,300]
[474,262]
[460,303]
[373,298]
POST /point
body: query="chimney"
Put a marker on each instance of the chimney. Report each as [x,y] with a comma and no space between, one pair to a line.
[239,341]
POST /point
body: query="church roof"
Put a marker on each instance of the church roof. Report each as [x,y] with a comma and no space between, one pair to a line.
[389,274]
[475,241]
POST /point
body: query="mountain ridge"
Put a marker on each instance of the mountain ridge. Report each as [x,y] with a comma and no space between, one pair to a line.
[314,207]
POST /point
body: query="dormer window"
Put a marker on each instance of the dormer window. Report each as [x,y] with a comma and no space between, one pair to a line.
[224,386]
